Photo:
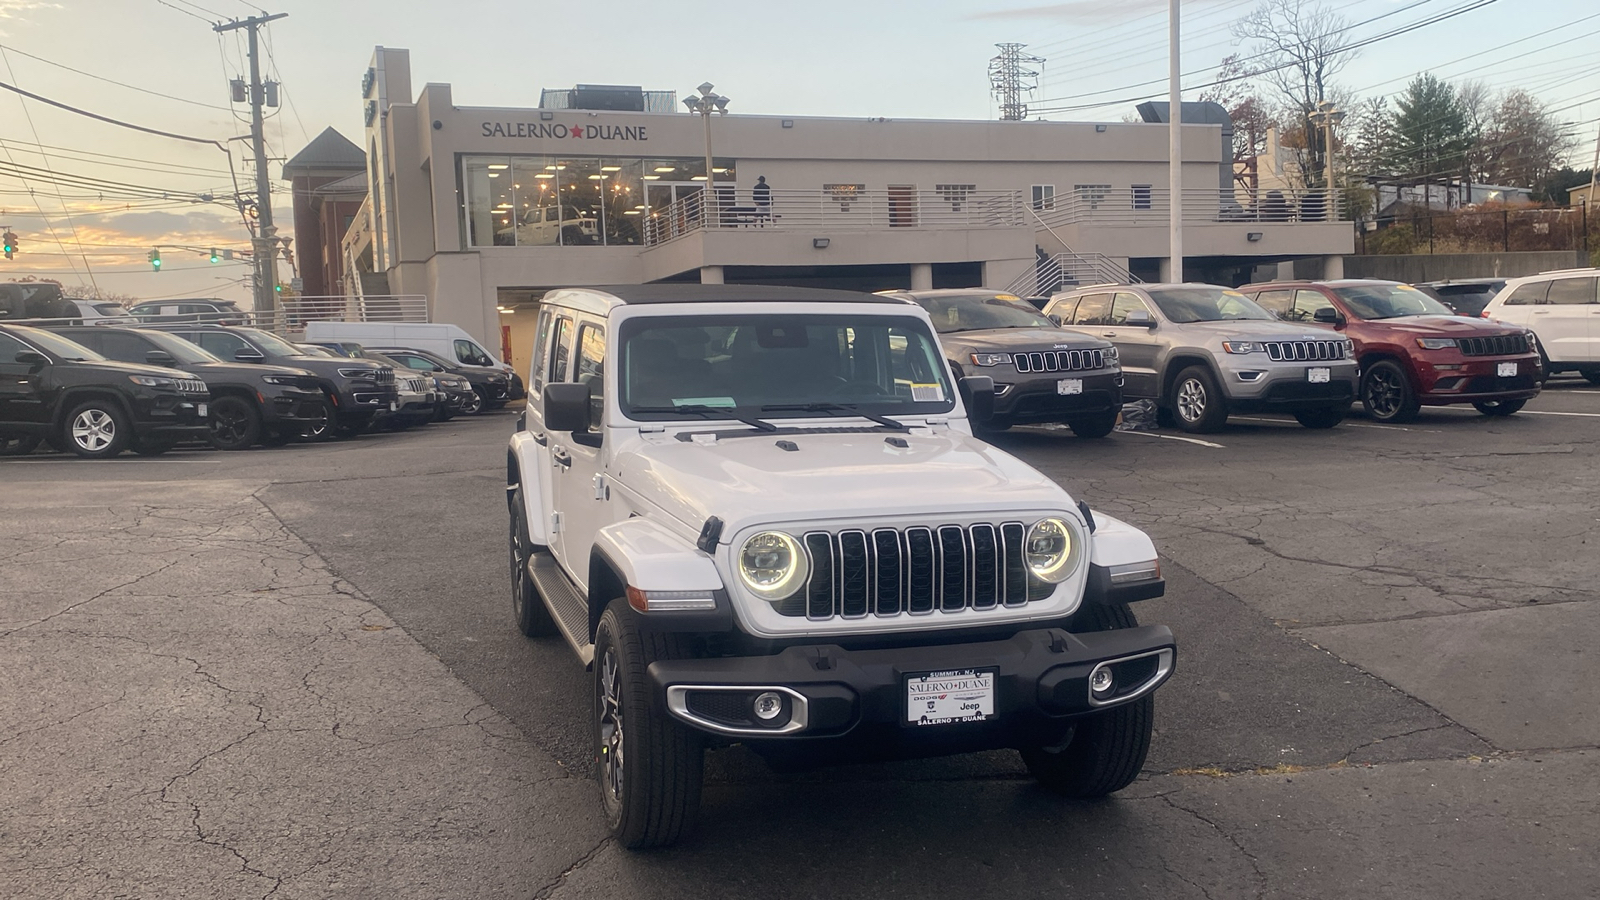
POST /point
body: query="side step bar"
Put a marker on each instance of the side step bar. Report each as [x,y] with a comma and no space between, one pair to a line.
[565,602]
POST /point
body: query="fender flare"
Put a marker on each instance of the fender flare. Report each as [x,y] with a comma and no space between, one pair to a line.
[1116,543]
[640,553]
[520,462]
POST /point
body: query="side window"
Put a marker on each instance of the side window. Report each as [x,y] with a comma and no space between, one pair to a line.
[10,347]
[591,370]
[466,353]
[1123,304]
[1530,294]
[1062,309]
[1566,291]
[541,345]
[221,343]
[1276,302]
[93,340]
[117,345]
[561,350]
[1094,309]
[1306,304]
[1044,196]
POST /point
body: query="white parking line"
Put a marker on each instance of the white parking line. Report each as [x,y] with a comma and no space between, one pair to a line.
[1346,422]
[1551,412]
[1173,437]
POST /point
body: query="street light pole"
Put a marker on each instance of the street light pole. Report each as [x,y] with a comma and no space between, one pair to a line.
[704,104]
[1327,115]
[1174,147]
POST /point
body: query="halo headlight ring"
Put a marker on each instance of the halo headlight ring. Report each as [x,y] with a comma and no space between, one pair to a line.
[773,565]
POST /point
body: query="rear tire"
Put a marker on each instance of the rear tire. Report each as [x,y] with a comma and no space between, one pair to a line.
[471,406]
[1107,749]
[1197,403]
[235,423]
[1096,426]
[97,429]
[320,429]
[1322,417]
[650,766]
[1499,407]
[533,617]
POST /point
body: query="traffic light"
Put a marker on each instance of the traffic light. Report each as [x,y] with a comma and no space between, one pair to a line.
[11,244]
[215,256]
[155,260]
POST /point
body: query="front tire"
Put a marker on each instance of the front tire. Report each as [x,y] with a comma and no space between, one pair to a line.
[1387,394]
[1197,402]
[1322,417]
[1107,749]
[97,429]
[650,766]
[533,617]
[235,424]
[1096,426]
[20,446]
[472,405]
[1499,407]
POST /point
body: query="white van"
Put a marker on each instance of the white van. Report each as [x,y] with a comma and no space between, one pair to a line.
[448,341]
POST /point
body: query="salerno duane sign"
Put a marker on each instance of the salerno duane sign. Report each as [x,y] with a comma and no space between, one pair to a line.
[561,130]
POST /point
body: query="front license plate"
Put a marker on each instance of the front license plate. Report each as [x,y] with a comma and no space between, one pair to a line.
[1319,375]
[945,698]
[200,410]
[1069,386]
[1506,369]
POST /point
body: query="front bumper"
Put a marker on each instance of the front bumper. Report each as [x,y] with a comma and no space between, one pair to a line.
[1474,378]
[176,416]
[1258,385]
[1032,398]
[294,405]
[515,389]
[855,701]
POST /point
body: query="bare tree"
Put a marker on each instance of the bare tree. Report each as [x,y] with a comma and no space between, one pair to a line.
[1523,142]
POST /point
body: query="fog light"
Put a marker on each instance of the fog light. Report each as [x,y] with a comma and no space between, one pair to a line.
[768,705]
[1101,682]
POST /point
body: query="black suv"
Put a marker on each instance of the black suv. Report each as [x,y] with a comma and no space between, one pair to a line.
[250,404]
[488,387]
[219,312]
[357,389]
[53,389]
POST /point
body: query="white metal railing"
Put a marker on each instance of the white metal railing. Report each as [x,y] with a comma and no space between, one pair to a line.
[843,207]
[1104,205]
[1068,270]
[293,313]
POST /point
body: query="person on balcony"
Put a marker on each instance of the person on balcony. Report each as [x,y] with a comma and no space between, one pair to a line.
[761,194]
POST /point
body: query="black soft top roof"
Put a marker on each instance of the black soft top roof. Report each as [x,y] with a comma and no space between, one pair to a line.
[734,293]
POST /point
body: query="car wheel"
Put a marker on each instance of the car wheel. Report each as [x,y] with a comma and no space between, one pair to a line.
[650,766]
[1095,426]
[151,446]
[1107,749]
[1387,394]
[320,427]
[1197,403]
[1499,407]
[473,404]
[97,429]
[235,424]
[20,446]
[1322,417]
[1592,376]
[533,617]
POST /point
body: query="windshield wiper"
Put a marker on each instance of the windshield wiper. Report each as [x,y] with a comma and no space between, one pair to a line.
[720,412]
[850,408]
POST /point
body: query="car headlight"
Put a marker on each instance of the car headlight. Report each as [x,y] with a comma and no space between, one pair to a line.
[773,565]
[1049,550]
[1533,340]
[154,381]
[285,380]
[1349,349]
[369,374]
[1112,356]
[991,359]
[1436,343]
[1244,346]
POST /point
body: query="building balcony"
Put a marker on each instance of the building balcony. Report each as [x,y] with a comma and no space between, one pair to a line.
[838,208]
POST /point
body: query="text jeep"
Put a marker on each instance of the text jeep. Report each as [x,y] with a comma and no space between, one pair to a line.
[760,516]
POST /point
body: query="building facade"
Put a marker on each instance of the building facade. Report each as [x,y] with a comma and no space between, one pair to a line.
[483,209]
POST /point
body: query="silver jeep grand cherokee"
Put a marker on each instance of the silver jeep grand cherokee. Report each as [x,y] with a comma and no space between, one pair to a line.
[1202,352]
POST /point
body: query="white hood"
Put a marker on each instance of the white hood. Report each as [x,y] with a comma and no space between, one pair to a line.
[748,479]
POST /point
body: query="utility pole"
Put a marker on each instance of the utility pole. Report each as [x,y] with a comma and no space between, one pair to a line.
[1174,148]
[1009,80]
[265,238]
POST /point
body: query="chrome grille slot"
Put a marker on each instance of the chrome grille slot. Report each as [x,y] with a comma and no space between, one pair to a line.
[1304,351]
[192,386]
[385,375]
[915,571]
[1060,360]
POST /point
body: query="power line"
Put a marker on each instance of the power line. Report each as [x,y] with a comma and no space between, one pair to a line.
[28,114]
[83,112]
[111,80]
[184,11]
[113,156]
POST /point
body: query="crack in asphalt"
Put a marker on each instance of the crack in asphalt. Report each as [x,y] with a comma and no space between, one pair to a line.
[1260,876]
[549,888]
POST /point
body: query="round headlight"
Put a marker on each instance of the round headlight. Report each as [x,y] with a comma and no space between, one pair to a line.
[773,565]
[1048,550]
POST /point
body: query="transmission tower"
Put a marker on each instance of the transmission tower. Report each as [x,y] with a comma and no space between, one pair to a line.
[1009,80]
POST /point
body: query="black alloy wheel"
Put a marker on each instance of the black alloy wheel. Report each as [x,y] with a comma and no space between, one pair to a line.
[20,446]
[1387,394]
[235,423]
[319,427]
[472,404]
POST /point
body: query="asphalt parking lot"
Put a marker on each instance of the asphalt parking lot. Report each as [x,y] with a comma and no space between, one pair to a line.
[294,673]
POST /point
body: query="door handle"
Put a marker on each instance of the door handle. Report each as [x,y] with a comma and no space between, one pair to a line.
[561,457]
[1108,334]
[540,438]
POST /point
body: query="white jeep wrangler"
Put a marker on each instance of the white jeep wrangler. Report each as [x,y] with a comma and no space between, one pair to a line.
[759,515]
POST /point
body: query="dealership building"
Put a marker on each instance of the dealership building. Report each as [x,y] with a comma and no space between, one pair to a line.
[483,209]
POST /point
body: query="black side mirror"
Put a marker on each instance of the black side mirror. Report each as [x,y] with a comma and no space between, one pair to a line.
[247,355]
[566,407]
[1057,319]
[160,358]
[1327,316]
[33,360]
[977,391]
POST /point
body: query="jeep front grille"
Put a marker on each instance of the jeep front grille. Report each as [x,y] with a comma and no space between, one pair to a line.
[915,571]
[385,375]
[1060,360]
[416,385]
[1498,345]
[1308,351]
[192,386]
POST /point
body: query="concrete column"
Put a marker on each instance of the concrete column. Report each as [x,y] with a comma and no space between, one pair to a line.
[1286,270]
[1332,267]
[1164,269]
[710,274]
[922,276]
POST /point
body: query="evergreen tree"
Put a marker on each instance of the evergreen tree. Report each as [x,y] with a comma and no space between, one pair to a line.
[1432,131]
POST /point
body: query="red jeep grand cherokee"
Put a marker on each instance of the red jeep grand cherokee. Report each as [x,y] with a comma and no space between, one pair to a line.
[1412,349]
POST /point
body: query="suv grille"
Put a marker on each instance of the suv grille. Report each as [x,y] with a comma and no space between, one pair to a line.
[918,570]
[1060,360]
[416,385]
[1498,345]
[1293,351]
[385,375]
[190,386]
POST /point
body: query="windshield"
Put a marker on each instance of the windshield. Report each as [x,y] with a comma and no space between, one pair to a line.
[1389,301]
[1205,304]
[182,351]
[778,366]
[109,309]
[313,350]
[57,345]
[272,344]
[975,312]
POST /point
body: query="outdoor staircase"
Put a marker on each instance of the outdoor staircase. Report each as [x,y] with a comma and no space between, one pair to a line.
[1068,270]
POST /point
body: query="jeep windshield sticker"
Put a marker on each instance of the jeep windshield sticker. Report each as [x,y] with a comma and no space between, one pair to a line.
[705,401]
[926,393]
